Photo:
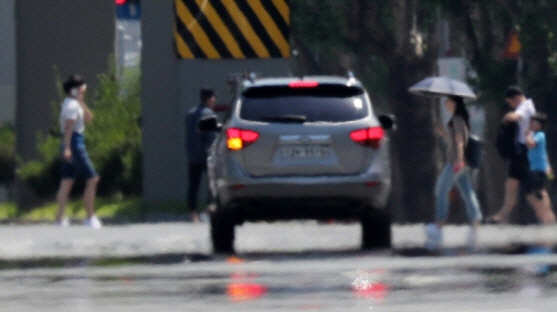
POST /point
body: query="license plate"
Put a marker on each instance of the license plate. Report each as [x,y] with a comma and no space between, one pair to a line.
[304,152]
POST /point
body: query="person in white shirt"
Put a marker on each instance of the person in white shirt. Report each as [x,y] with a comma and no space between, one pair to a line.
[519,166]
[75,159]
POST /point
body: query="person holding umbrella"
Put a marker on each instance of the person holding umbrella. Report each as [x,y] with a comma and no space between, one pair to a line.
[455,171]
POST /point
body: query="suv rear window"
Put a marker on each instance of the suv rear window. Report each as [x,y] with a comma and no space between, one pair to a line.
[323,103]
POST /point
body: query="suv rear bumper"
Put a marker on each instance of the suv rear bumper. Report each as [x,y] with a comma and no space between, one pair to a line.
[310,208]
[300,192]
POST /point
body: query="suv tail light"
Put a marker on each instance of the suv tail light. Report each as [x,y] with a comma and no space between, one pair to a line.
[236,139]
[368,137]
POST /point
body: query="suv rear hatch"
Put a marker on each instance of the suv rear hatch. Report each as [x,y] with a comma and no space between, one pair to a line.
[306,129]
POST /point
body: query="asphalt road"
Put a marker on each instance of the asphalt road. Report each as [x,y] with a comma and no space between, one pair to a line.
[296,266]
[320,281]
[48,241]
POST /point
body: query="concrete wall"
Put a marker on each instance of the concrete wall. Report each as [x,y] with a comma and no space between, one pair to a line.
[159,94]
[76,36]
[169,88]
[7,62]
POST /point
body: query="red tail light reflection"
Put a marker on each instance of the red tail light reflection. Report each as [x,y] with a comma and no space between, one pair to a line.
[369,285]
[242,287]
[377,291]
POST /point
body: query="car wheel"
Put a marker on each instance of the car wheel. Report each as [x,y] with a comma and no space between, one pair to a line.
[376,230]
[222,231]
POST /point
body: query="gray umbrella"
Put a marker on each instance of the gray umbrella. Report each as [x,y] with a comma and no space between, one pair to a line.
[439,86]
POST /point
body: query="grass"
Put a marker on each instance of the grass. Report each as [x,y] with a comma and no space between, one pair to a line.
[129,208]
[8,210]
[117,210]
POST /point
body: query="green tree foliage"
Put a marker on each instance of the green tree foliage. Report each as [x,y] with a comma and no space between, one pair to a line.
[389,45]
[113,140]
[483,28]
[393,44]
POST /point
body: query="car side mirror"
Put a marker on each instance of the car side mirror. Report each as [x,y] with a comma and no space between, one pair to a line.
[209,123]
[388,122]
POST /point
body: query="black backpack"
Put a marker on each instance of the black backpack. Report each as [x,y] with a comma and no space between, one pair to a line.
[473,150]
[506,139]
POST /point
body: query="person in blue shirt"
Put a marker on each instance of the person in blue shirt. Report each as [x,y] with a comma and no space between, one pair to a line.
[197,146]
[536,193]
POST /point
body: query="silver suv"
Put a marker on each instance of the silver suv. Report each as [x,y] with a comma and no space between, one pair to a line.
[300,148]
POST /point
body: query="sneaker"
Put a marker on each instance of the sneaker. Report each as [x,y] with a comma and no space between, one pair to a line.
[93,222]
[65,222]
[540,268]
[472,238]
[204,217]
[434,236]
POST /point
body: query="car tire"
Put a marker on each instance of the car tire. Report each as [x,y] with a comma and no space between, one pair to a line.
[222,231]
[376,230]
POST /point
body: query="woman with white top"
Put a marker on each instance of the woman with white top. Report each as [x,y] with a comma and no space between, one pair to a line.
[519,166]
[75,159]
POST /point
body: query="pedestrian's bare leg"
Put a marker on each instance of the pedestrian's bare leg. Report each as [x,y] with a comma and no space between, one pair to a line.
[194,217]
[89,195]
[511,191]
[62,197]
[542,207]
[547,204]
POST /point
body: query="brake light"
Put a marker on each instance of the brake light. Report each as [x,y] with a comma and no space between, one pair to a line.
[303,84]
[368,137]
[236,139]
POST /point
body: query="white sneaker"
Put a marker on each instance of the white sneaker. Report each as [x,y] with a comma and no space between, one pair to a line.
[93,222]
[204,217]
[65,222]
[472,238]
[434,236]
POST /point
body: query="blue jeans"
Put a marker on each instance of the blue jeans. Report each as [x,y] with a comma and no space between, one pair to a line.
[463,182]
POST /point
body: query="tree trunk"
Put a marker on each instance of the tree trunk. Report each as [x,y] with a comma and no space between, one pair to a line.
[413,150]
[493,172]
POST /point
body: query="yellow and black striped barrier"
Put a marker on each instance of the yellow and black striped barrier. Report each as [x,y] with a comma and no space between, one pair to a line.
[232,29]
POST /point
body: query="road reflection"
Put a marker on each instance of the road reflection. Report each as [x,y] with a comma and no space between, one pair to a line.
[369,284]
[284,282]
[243,285]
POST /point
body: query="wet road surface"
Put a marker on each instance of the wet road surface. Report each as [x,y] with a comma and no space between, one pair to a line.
[348,281]
[279,267]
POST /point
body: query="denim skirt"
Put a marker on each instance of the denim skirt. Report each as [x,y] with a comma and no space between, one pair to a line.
[80,164]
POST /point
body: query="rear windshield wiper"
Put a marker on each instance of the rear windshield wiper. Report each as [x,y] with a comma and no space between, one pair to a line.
[285,118]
